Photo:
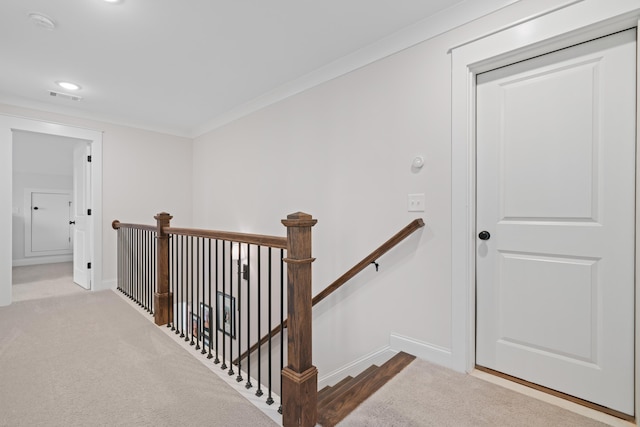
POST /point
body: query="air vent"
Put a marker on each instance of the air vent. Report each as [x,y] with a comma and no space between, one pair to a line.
[65,95]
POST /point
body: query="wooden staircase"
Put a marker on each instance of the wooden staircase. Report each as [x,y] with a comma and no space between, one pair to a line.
[338,401]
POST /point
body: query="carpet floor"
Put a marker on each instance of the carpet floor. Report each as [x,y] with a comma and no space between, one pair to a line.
[43,281]
[424,394]
[90,360]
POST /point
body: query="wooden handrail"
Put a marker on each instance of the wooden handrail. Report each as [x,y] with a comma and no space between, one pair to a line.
[253,239]
[382,249]
[117,224]
[366,261]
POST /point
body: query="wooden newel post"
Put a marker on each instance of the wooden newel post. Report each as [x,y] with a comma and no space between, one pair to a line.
[299,377]
[162,299]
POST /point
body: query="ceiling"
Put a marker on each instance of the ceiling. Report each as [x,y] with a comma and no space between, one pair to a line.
[182,66]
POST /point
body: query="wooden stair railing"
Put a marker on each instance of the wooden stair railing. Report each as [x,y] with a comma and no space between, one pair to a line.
[299,377]
[366,261]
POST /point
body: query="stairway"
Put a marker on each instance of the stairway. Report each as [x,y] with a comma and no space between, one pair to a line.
[338,401]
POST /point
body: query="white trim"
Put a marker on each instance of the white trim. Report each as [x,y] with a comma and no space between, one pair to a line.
[42,260]
[579,22]
[429,352]
[455,16]
[397,343]
[637,348]
[7,125]
[377,357]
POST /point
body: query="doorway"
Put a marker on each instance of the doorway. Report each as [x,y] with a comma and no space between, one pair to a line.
[54,213]
[93,139]
[555,219]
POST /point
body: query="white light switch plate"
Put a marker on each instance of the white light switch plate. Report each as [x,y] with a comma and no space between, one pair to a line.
[416,202]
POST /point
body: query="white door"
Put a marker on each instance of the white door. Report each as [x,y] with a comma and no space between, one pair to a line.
[81,205]
[556,194]
[50,223]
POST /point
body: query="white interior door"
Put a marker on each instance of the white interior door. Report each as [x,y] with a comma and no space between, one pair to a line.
[81,204]
[556,194]
[50,223]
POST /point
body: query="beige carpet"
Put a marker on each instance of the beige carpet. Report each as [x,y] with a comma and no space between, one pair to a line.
[91,360]
[43,281]
[424,394]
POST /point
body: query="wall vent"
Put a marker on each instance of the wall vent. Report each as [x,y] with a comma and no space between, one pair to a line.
[65,95]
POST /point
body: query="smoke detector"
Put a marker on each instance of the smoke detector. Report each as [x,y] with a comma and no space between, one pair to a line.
[42,21]
[65,95]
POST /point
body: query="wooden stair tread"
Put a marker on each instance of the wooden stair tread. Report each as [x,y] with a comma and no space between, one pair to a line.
[344,385]
[329,390]
[359,389]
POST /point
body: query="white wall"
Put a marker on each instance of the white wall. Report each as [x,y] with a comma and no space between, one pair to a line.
[342,152]
[144,173]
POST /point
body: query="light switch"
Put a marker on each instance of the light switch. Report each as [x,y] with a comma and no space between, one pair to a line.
[416,202]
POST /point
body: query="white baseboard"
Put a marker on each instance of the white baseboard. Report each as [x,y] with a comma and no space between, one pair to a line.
[377,357]
[397,343]
[429,352]
[42,260]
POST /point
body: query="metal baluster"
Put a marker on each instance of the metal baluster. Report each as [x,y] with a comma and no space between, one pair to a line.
[190,294]
[172,283]
[246,273]
[220,306]
[145,271]
[136,272]
[202,317]
[239,377]
[195,314]
[269,398]
[139,269]
[152,275]
[127,259]
[214,330]
[231,310]
[281,323]
[118,258]
[183,285]
[176,288]
[210,356]
[259,390]
[134,255]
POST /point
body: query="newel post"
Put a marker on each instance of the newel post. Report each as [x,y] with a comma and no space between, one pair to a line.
[299,377]
[162,299]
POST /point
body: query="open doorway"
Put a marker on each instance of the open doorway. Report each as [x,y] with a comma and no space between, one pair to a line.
[50,197]
[87,243]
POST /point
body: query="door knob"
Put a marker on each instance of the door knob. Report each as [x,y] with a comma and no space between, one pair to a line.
[484,235]
[35,208]
[71,222]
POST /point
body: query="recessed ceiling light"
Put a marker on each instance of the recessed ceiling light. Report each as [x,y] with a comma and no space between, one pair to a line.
[68,85]
[42,21]
[113,1]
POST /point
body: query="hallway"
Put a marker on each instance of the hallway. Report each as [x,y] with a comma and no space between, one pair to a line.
[43,281]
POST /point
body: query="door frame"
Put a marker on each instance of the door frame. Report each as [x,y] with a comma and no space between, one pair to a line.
[563,26]
[7,125]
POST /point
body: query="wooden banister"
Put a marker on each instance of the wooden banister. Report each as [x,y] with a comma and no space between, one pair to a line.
[252,239]
[373,256]
[117,224]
